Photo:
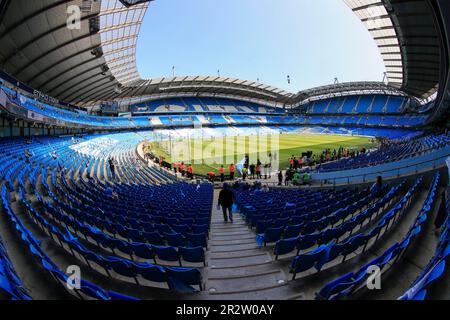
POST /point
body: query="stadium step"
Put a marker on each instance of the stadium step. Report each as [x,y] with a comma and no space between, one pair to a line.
[239,262]
[250,283]
[233,248]
[231,233]
[232,227]
[221,225]
[234,273]
[237,254]
[232,241]
[236,264]
[225,238]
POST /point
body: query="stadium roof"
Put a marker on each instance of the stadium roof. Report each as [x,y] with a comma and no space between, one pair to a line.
[405,33]
[202,85]
[97,60]
[119,29]
[348,88]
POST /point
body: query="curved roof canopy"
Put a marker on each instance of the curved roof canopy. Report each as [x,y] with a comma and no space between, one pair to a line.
[95,60]
[348,88]
[407,38]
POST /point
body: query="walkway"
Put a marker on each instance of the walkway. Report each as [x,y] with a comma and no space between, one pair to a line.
[237,267]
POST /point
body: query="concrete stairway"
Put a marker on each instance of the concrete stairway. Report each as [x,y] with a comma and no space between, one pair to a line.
[237,267]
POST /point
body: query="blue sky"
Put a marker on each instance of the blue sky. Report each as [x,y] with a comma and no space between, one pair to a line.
[313,41]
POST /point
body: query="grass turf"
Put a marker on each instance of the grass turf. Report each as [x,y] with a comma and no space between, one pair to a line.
[209,154]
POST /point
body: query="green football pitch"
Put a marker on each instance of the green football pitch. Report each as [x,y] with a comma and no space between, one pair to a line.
[209,153]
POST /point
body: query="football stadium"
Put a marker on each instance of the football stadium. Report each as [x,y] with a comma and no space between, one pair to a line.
[120,184]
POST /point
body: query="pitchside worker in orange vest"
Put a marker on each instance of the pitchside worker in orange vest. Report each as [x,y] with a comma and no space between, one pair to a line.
[222,173]
[211,176]
[191,172]
[232,171]
[175,167]
[183,172]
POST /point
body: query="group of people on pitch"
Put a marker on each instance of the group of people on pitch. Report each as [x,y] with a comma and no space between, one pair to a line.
[185,170]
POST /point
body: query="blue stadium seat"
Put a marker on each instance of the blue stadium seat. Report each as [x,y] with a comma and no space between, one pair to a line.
[193,254]
[181,279]
[285,246]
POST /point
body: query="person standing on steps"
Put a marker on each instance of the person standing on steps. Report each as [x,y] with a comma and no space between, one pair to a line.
[112,168]
[226,200]
[377,187]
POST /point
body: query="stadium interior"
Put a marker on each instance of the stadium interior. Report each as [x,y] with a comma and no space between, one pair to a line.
[353,182]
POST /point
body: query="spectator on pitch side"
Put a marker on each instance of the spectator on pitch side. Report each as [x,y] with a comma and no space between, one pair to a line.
[270,169]
[244,173]
[296,178]
[252,171]
[306,178]
[287,177]
[280,178]
[258,171]
[226,200]
[266,171]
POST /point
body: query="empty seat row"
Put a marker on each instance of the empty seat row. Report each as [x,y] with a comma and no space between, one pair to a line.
[349,283]
[328,252]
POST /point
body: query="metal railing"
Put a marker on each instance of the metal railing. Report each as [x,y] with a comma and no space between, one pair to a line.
[428,165]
